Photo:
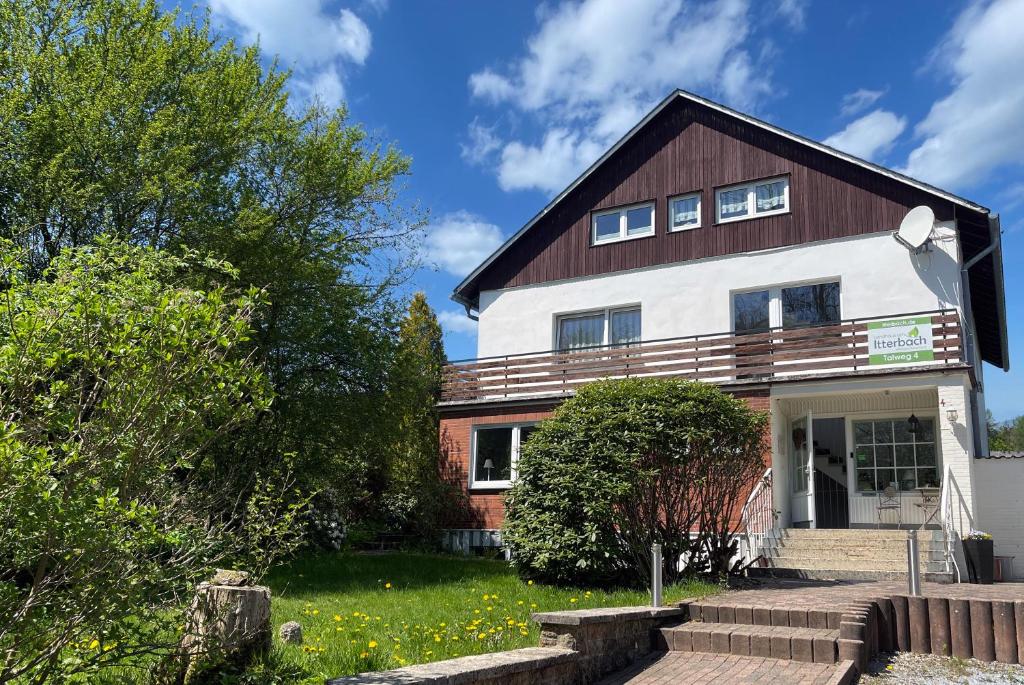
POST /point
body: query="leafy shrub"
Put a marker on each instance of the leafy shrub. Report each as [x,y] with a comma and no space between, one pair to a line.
[116,376]
[627,463]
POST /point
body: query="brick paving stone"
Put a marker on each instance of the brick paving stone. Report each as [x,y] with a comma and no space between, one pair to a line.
[677,668]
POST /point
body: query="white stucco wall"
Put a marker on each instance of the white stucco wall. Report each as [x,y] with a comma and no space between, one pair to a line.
[999,509]
[877,277]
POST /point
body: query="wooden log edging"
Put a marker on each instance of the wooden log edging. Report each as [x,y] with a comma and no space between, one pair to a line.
[985,629]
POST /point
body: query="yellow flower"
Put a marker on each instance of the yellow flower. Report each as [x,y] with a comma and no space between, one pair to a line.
[486,597]
[337,618]
[316,612]
[363,655]
[387,586]
[455,638]
[476,611]
[520,602]
[529,582]
[481,636]
[443,624]
[372,644]
[533,605]
[94,644]
[572,600]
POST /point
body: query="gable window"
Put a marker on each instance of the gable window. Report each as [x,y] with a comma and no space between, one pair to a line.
[684,212]
[595,329]
[754,199]
[635,221]
[496,454]
[887,452]
[795,306]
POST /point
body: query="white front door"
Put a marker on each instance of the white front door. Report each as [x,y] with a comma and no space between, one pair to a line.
[801,473]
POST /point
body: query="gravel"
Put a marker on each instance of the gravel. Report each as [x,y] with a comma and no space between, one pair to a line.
[926,669]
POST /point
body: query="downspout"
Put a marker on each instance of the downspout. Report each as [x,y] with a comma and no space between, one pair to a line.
[978,422]
[469,311]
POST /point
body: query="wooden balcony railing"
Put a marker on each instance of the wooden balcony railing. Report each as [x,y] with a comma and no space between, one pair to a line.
[714,358]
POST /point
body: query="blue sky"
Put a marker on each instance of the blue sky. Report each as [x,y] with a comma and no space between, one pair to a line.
[501,104]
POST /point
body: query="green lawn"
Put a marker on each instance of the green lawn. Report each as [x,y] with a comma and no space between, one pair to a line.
[371,612]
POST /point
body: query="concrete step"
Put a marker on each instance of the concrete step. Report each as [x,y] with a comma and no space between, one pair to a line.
[849,564]
[844,574]
[883,544]
[856,534]
[853,555]
[777,642]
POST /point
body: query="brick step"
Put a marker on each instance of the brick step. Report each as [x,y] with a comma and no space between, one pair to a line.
[811,645]
[740,614]
[848,564]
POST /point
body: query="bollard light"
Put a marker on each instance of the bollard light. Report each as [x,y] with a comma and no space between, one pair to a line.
[656,575]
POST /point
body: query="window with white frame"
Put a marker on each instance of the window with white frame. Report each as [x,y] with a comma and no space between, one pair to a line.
[892,451]
[496,454]
[623,223]
[620,326]
[684,212]
[754,199]
[793,306]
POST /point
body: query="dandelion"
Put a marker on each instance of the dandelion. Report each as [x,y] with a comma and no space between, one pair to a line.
[520,602]
[94,644]
[529,582]
[337,617]
[316,612]
[533,605]
[481,636]
[372,644]
[363,655]
[437,638]
[572,600]
[486,597]
[387,586]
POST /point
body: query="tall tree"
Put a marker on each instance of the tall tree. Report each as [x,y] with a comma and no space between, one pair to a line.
[415,494]
[122,119]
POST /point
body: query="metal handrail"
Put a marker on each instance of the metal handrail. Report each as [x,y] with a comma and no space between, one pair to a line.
[758,516]
[946,521]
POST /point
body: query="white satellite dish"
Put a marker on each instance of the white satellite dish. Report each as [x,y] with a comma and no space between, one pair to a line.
[916,228]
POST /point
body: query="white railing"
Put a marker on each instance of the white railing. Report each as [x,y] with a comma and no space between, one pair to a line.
[946,518]
[759,518]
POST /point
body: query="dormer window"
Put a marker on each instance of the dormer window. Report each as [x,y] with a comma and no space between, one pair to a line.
[754,199]
[623,223]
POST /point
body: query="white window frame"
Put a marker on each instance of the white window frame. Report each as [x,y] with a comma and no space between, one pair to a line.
[672,228]
[606,312]
[474,484]
[621,211]
[889,416]
[752,212]
[775,299]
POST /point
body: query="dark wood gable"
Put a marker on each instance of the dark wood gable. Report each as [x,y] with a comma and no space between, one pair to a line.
[689,147]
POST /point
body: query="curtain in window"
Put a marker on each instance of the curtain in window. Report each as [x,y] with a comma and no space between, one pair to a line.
[684,212]
[771,196]
[625,327]
[580,331]
[732,202]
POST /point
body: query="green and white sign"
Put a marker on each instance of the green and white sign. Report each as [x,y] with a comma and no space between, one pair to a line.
[901,341]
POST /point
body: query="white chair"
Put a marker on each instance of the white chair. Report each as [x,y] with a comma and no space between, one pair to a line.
[889,500]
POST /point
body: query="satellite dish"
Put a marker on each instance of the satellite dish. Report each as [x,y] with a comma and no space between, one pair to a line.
[916,228]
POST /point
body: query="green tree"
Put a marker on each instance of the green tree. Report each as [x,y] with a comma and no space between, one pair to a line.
[118,375]
[1007,436]
[415,494]
[627,463]
[122,119]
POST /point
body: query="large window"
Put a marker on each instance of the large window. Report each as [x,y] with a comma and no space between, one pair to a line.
[797,306]
[758,198]
[623,223]
[595,329]
[496,453]
[684,212]
[886,451]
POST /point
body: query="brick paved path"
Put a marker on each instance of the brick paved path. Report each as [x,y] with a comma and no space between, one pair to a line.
[677,668]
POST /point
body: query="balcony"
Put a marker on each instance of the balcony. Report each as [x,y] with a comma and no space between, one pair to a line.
[722,358]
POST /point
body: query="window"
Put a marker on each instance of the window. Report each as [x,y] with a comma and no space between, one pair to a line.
[885,451]
[596,329]
[759,198]
[495,454]
[684,212]
[623,223]
[796,306]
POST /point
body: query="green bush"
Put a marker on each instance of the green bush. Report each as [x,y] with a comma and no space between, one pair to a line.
[627,463]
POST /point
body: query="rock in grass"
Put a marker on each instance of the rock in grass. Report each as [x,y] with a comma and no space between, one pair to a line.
[291,633]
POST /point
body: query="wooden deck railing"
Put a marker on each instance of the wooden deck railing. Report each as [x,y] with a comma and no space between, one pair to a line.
[715,358]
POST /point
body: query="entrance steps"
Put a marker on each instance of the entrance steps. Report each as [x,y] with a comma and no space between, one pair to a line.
[751,636]
[850,554]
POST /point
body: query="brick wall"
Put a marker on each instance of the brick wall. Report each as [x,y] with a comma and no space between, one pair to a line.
[485,508]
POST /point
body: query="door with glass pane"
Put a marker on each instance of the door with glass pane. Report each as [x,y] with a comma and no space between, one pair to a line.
[801,470]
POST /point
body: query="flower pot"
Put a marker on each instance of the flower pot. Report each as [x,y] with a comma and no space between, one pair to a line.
[980,561]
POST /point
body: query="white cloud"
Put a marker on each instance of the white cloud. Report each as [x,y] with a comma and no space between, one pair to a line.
[482,143]
[976,128]
[794,12]
[460,241]
[858,101]
[594,67]
[456,322]
[307,37]
[869,136]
